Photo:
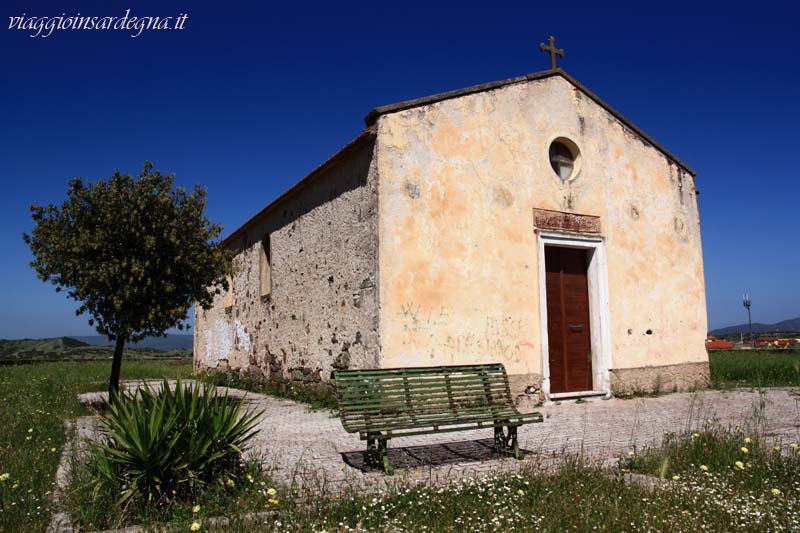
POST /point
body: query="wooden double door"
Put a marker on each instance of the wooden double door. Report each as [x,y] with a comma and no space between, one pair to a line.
[569,338]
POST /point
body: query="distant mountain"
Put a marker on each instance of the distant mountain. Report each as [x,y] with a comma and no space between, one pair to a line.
[170,342]
[17,347]
[791,325]
[68,348]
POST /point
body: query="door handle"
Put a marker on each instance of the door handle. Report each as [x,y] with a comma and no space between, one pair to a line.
[576,327]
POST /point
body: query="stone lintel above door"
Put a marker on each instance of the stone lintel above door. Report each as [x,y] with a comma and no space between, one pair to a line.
[561,221]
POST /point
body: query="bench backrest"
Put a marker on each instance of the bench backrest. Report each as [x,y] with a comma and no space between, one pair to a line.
[373,398]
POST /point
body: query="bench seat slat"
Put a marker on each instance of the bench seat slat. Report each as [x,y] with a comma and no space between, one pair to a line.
[381,424]
[432,394]
[463,382]
[433,370]
[440,404]
[422,413]
[486,420]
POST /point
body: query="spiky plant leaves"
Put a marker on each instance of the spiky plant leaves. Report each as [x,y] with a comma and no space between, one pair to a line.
[170,443]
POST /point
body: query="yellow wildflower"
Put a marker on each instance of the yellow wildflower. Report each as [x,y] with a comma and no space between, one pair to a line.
[4,476]
[230,483]
[744,449]
[695,435]
[704,468]
[776,448]
[521,492]
[776,492]
[249,478]
[196,509]
[272,501]
[195,526]
[52,450]
[30,430]
[793,446]
[739,465]
[631,453]
[676,477]
[748,440]
[272,492]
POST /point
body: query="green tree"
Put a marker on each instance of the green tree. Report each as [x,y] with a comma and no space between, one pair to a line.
[134,252]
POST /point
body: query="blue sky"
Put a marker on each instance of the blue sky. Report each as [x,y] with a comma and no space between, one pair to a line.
[249,97]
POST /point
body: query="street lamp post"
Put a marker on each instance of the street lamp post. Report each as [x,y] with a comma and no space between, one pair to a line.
[747,303]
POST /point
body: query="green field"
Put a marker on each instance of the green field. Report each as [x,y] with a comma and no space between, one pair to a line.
[762,368]
[35,400]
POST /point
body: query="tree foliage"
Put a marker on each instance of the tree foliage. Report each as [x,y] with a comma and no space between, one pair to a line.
[135,252]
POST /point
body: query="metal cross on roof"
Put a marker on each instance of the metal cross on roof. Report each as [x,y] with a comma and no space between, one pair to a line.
[551,48]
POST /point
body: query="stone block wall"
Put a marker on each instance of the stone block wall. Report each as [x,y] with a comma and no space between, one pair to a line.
[322,309]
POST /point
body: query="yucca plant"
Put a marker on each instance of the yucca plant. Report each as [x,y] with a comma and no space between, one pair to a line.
[160,445]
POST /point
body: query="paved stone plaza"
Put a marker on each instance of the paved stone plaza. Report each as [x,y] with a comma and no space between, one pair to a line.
[312,450]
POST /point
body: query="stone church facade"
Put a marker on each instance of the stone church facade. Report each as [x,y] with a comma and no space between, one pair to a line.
[523,221]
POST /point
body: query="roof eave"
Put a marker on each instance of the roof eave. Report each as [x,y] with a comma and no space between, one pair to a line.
[367,133]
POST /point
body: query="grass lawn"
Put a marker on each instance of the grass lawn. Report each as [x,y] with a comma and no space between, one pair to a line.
[762,368]
[35,400]
[762,495]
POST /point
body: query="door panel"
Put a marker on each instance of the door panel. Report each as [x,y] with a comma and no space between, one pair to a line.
[569,338]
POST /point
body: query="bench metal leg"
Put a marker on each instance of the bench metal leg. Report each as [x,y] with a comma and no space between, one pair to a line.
[383,449]
[506,441]
[499,440]
[378,452]
[512,442]
[372,451]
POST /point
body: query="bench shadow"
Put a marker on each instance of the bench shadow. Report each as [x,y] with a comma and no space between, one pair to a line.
[403,457]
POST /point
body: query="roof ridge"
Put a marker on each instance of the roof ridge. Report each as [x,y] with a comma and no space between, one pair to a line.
[377,112]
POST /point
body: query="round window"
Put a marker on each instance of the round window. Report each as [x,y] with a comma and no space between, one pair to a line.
[564,158]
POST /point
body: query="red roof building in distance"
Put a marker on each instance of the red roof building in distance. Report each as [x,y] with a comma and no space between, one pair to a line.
[712,343]
[771,342]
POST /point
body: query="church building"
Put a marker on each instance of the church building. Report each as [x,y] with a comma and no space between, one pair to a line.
[523,221]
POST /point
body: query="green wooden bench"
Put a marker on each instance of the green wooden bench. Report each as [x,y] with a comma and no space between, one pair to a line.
[381,404]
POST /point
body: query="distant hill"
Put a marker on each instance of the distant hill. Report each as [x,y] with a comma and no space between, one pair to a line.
[12,348]
[791,325]
[170,342]
[68,348]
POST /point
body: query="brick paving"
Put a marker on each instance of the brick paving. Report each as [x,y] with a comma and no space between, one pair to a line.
[311,450]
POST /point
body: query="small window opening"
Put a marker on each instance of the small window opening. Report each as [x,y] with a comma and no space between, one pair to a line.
[564,158]
[229,292]
[265,267]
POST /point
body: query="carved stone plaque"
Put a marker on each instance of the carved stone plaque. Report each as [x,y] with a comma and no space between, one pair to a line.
[558,220]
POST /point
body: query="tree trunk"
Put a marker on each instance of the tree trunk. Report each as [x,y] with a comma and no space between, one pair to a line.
[116,366]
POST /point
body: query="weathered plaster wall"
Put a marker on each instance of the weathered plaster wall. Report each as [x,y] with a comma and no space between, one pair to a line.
[323,307]
[458,257]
